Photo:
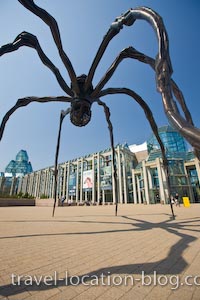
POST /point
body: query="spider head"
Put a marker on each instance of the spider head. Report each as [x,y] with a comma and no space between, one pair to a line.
[80,114]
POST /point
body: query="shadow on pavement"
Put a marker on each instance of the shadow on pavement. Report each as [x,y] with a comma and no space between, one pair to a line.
[172,264]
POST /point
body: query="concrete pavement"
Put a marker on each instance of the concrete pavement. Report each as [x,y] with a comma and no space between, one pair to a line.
[88,253]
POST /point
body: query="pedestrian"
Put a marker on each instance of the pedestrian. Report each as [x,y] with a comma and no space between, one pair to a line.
[176,199]
[63,200]
[172,200]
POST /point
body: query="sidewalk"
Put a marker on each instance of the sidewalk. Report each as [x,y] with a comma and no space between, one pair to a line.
[88,253]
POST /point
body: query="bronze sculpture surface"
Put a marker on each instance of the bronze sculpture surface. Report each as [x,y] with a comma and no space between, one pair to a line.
[81,94]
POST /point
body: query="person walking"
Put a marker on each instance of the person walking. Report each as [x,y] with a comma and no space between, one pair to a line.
[63,200]
[176,199]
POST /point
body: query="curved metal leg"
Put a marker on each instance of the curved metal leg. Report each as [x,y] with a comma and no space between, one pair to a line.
[152,123]
[162,67]
[131,52]
[62,116]
[51,22]
[30,40]
[128,19]
[114,169]
[24,102]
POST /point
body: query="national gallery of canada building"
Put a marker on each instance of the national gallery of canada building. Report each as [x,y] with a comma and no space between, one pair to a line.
[140,174]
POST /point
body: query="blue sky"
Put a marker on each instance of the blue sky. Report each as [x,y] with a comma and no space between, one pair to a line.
[82,25]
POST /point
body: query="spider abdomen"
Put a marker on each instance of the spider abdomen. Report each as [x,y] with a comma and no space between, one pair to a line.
[80,114]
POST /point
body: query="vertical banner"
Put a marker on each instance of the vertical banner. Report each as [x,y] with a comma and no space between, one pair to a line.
[106,178]
[88,179]
[72,184]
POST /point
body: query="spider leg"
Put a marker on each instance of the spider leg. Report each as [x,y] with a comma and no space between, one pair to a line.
[110,127]
[152,122]
[128,19]
[51,22]
[145,108]
[62,116]
[131,52]
[28,39]
[24,102]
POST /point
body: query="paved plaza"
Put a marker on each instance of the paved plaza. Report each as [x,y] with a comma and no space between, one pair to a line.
[89,253]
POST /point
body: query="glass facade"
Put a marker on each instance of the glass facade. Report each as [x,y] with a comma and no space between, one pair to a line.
[141,177]
[194,182]
[172,140]
[10,179]
[150,177]
[20,166]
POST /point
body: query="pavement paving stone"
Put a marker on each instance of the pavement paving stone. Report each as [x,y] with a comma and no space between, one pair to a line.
[112,293]
[184,293]
[132,295]
[196,293]
[91,241]
[23,295]
[158,293]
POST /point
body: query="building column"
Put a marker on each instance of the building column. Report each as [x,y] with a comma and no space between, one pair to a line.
[124,178]
[77,182]
[146,185]
[161,180]
[120,194]
[64,180]
[52,183]
[81,182]
[19,190]
[30,189]
[24,184]
[134,187]
[94,180]
[46,184]
[59,188]
[67,180]
[103,196]
[12,185]
[1,182]
[138,190]
[150,184]
[38,184]
[98,178]
[149,178]
[42,182]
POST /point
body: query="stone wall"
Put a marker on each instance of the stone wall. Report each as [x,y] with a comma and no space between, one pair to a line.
[16,202]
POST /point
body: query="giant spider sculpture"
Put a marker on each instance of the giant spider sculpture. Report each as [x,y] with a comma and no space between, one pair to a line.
[82,94]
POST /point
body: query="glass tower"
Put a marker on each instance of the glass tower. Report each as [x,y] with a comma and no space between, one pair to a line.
[176,153]
[172,140]
[20,166]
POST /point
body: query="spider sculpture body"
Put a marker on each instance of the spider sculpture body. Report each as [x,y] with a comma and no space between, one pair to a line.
[80,113]
[82,94]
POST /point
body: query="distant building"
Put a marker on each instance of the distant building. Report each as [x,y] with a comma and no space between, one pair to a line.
[140,151]
[141,177]
[20,166]
[149,178]
[87,178]
[14,170]
[172,140]
[140,174]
